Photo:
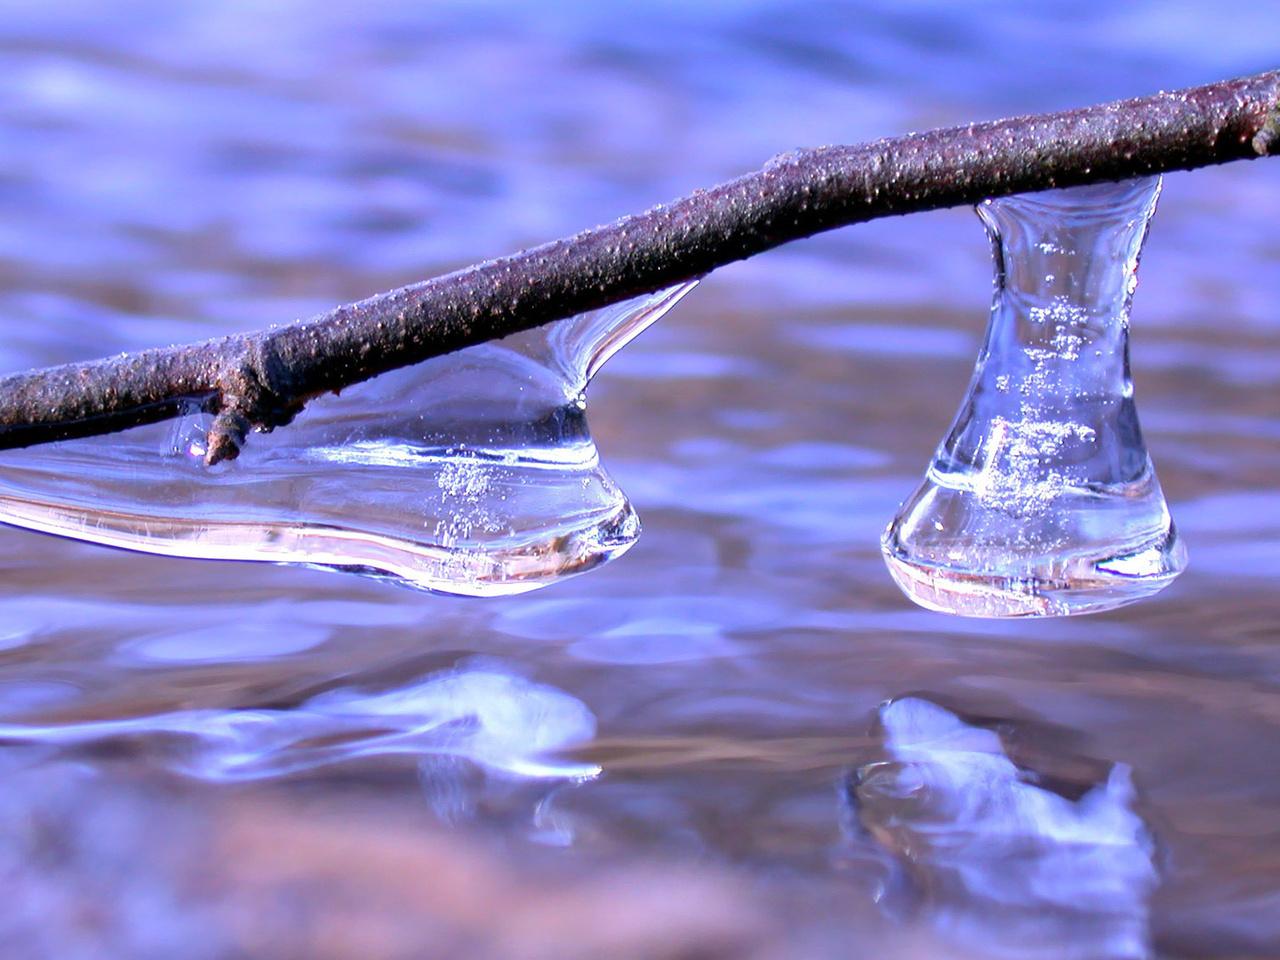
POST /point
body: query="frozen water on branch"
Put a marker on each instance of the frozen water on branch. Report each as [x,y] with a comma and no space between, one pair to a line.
[474,473]
[1042,499]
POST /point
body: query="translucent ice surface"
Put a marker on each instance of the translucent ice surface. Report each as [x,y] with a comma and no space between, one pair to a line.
[1004,864]
[473,473]
[1042,499]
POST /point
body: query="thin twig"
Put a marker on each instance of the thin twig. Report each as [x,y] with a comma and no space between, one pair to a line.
[261,380]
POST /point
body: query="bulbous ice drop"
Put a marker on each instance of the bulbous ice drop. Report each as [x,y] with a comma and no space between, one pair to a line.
[1042,499]
[472,473]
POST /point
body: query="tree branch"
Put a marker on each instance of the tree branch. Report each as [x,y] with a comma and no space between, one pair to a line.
[261,380]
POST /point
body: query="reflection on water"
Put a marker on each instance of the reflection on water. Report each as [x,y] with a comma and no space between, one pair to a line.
[179,171]
[1006,864]
[502,722]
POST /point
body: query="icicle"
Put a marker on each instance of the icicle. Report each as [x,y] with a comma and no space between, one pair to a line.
[473,473]
[1004,864]
[1042,500]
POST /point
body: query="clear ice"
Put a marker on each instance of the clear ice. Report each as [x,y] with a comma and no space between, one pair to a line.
[1042,500]
[1004,864]
[473,473]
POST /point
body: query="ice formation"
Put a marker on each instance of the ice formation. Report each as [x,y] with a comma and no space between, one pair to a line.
[1042,499]
[473,473]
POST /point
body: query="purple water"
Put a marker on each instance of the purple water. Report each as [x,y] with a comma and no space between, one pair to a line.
[655,757]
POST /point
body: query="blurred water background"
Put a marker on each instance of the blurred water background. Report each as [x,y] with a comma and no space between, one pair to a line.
[670,756]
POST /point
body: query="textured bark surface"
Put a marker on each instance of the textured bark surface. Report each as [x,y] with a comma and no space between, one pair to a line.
[261,380]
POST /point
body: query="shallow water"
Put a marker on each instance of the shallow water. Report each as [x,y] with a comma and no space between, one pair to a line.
[173,173]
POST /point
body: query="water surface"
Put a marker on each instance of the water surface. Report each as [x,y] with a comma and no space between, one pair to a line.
[697,708]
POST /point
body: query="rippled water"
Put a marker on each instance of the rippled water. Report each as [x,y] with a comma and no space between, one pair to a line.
[179,171]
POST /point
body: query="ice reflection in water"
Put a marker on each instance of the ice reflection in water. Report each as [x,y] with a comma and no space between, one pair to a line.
[239,179]
[502,722]
[1004,863]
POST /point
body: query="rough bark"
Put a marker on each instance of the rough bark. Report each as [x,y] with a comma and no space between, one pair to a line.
[261,380]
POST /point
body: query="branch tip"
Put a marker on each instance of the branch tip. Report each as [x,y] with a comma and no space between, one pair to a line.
[227,434]
[1268,138]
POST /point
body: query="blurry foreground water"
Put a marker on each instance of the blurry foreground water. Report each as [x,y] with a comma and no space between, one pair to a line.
[669,756]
